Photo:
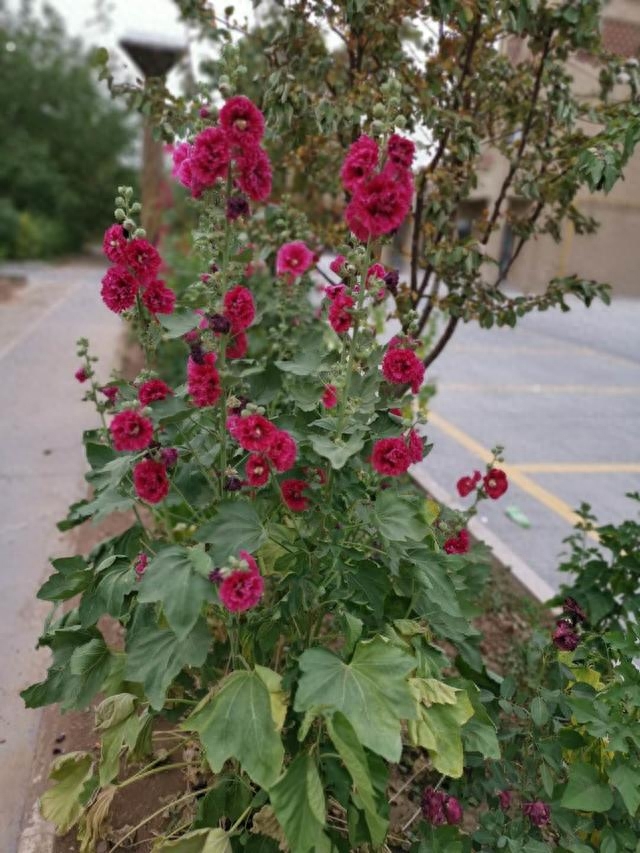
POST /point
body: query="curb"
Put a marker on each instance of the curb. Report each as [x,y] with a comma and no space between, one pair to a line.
[529,579]
[38,836]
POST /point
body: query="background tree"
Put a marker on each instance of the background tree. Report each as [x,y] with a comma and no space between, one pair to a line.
[62,143]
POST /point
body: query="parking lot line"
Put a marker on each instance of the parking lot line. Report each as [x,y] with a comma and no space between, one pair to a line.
[539,388]
[577,467]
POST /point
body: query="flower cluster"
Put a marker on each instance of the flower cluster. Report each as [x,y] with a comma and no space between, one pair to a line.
[380,197]
[136,264]
[439,808]
[458,544]
[203,379]
[230,148]
[565,637]
[401,366]
[393,456]
[271,448]
[494,484]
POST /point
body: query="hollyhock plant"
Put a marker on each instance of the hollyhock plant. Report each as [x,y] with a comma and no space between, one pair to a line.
[401,151]
[504,798]
[237,206]
[254,176]
[360,162]
[458,544]
[337,264]
[143,259]
[239,308]
[565,637]
[495,483]
[573,610]
[237,346]
[140,564]
[119,289]
[81,374]
[110,392]
[538,812]
[415,445]
[402,366]
[150,481]
[390,456]
[242,122]
[210,156]
[340,317]
[333,291]
[257,469]
[131,431]
[294,259]
[169,456]
[203,380]
[293,494]
[452,810]
[158,298]
[380,206]
[282,451]
[252,432]
[114,244]
[466,485]
[330,397]
[153,390]
[241,590]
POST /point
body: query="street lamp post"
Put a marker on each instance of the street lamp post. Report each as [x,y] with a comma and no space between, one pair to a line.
[155,57]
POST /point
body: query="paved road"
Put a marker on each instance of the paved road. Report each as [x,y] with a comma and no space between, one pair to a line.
[562,393]
[41,470]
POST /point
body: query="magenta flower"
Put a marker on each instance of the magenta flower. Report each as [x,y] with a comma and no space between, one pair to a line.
[294,259]
[131,431]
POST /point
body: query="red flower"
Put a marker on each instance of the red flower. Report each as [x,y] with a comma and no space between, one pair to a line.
[337,264]
[150,481]
[239,307]
[130,431]
[203,381]
[452,810]
[257,469]
[119,289]
[401,151]
[495,483]
[330,397]
[403,367]
[294,259]
[458,544]
[254,174]
[361,160]
[158,298]
[242,121]
[466,485]
[339,315]
[253,432]
[114,244]
[390,456]
[564,637]
[439,808]
[152,390]
[379,206]
[573,610]
[415,444]
[141,563]
[504,798]
[293,494]
[81,374]
[241,590]
[209,157]
[143,258]
[110,392]
[332,291]
[538,812]
[237,346]
[283,450]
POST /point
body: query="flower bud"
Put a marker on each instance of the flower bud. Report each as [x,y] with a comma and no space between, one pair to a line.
[140,232]
[379,110]
[119,201]
[129,225]
[119,214]
[136,207]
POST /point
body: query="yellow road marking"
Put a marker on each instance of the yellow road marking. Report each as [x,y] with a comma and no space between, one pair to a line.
[543,496]
[578,467]
[539,388]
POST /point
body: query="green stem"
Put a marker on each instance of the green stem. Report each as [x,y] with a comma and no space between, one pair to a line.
[222,355]
[152,772]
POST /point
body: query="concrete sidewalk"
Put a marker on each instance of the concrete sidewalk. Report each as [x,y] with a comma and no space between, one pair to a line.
[41,468]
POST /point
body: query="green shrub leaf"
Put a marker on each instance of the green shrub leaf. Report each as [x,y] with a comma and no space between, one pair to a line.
[298,801]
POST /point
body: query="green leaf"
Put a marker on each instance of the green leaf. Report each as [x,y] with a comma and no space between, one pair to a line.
[71,577]
[306,363]
[397,520]
[155,655]
[372,691]
[62,804]
[298,801]
[175,577]
[539,712]
[585,792]
[479,734]
[337,451]
[198,841]
[119,727]
[109,587]
[627,780]
[91,663]
[438,728]
[235,527]
[354,758]
[178,323]
[236,722]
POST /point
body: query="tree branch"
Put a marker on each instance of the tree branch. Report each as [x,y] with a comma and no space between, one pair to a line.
[442,342]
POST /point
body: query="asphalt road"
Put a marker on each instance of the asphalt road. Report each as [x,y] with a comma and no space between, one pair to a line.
[41,470]
[561,393]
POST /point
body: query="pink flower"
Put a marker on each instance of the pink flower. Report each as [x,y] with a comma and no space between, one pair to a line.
[253,432]
[379,206]
[458,544]
[131,431]
[152,390]
[169,456]
[538,812]
[119,289]
[330,397]
[242,121]
[150,481]
[337,264]
[254,174]
[339,315]
[143,259]
[466,485]
[433,806]
[375,271]
[203,381]
[401,151]
[237,346]
[282,450]
[504,798]
[257,469]
[390,456]
[332,291]
[415,445]
[361,160]
[114,244]
[453,810]
[565,637]
[141,563]
[110,392]
[294,259]
[239,307]
[403,367]
[158,298]
[241,590]
[293,494]
[180,153]
[210,156]
[495,483]
[81,374]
